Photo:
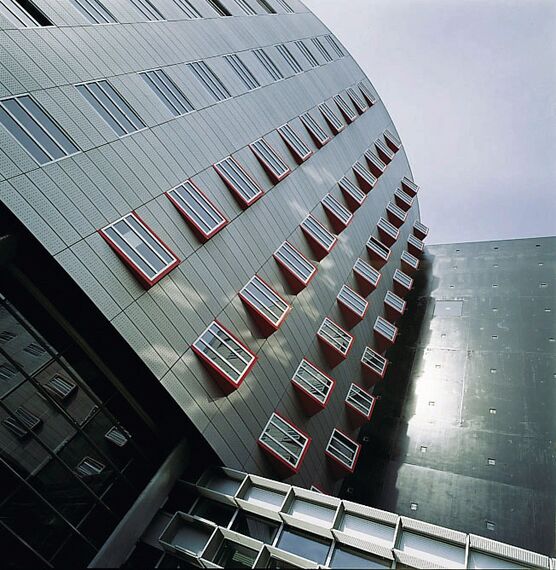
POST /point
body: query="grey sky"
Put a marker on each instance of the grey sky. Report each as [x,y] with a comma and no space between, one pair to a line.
[471,88]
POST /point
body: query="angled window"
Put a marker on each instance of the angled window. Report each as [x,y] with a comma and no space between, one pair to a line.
[239,181]
[27,419]
[60,388]
[315,130]
[295,263]
[270,160]
[12,425]
[376,166]
[360,401]
[34,349]
[313,382]
[402,282]
[394,302]
[267,62]
[393,142]
[246,7]
[117,436]
[402,199]
[367,273]
[23,13]
[285,442]
[242,71]
[367,94]
[374,362]
[388,232]
[316,232]
[349,114]
[187,8]
[323,51]
[307,53]
[364,178]
[334,45]
[396,215]
[409,187]
[6,336]
[218,7]
[352,301]
[34,130]
[335,337]
[331,118]
[89,467]
[94,11]
[209,80]
[7,371]
[197,209]
[295,143]
[266,7]
[415,245]
[343,450]
[140,249]
[385,329]
[147,9]
[354,196]
[420,230]
[285,6]
[384,152]
[409,261]
[112,107]
[378,252]
[290,59]
[261,298]
[339,214]
[359,103]
[168,92]
[224,354]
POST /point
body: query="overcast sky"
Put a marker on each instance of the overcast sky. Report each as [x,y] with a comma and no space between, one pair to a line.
[471,88]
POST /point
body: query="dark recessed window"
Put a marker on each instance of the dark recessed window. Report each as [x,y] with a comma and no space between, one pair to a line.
[307,546]
[255,527]
[266,7]
[218,7]
[23,13]
[187,8]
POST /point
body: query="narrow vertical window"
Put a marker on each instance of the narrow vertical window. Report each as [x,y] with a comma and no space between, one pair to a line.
[268,64]
[187,8]
[354,196]
[331,118]
[147,9]
[285,6]
[209,80]
[289,58]
[168,92]
[295,143]
[246,7]
[364,178]
[270,160]
[242,71]
[320,238]
[360,105]
[266,7]
[315,130]
[367,94]
[339,215]
[334,45]
[94,11]
[296,266]
[218,7]
[239,181]
[23,14]
[323,51]
[349,114]
[307,53]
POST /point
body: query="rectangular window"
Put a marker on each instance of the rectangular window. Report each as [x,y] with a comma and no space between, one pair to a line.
[239,181]
[218,7]
[284,441]
[295,263]
[365,179]
[112,107]
[332,119]
[353,301]
[360,105]
[385,328]
[290,59]
[23,14]
[187,8]
[402,199]
[307,53]
[384,152]
[147,9]
[34,349]
[351,191]
[314,129]
[244,5]
[409,260]
[376,363]
[334,45]
[29,420]
[367,94]
[209,80]
[377,248]
[397,303]
[94,11]
[340,212]
[420,229]
[343,449]
[242,71]
[409,187]
[349,114]
[116,436]
[404,280]
[360,400]
[295,143]
[366,271]
[313,381]
[34,130]
[168,92]
[376,166]
[268,64]
[140,248]
[320,47]
[388,229]
[285,6]
[335,336]
[265,301]
[12,425]
[395,214]
[89,467]
[392,140]
[7,371]
[315,230]
[271,161]
[60,388]
[417,244]
[266,7]
[197,209]
[224,353]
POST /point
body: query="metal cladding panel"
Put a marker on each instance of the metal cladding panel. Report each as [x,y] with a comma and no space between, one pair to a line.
[64,204]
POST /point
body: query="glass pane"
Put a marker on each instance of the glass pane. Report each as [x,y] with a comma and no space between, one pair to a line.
[255,527]
[310,548]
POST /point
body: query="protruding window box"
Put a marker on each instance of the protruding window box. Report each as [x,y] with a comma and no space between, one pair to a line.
[364,178]
[320,239]
[402,283]
[22,422]
[367,277]
[299,149]
[314,387]
[366,92]
[267,307]
[226,548]
[384,152]
[284,444]
[415,246]
[388,232]
[376,165]
[385,334]
[140,249]
[270,160]
[359,103]
[342,453]
[297,269]
[334,122]
[409,187]
[409,262]
[420,231]
[394,306]
[378,252]
[319,136]
[339,216]
[396,215]
[393,142]
[227,359]
[349,114]
[201,214]
[335,341]
[239,181]
[403,200]
[186,536]
[373,366]
[353,195]
[353,306]
[359,405]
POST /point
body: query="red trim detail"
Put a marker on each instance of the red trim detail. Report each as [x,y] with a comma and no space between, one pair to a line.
[377,261]
[242,202]
[350,119]
[319,487]
[392,314]
[366,286]
[343,468]
[333,354]
[393,219]
[315,138]
[370,374]
[382,155]
[352,203]
[352,318]
[407,268]
[333,128]
[374,169]
[337,223]
[298,157]
[294,281]
[268,169]
[368,416]
[318,248]
[383,342]
[364,184]
[386,238]
[311,404]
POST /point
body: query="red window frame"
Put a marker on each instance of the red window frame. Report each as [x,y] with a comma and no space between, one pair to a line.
[356,410]
[379,259]
[405,265]
[364,282]
[313,404]
[385,236]
[365,184]
[229,183]
[416,249]
[376,165]
[384,152]
[349,308]
[403,200]
[393,216]
[340,356]
[371,370]
[333,127]
[359,104]
[298,157]
[293,275]
[343,467]
[349,118]
[351,200]
[384,340]
[319,142]
[409,187]
[399,286]
[264,163]
[337,223]
[319,248]
[420,232]
[392,312]
[392,140]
